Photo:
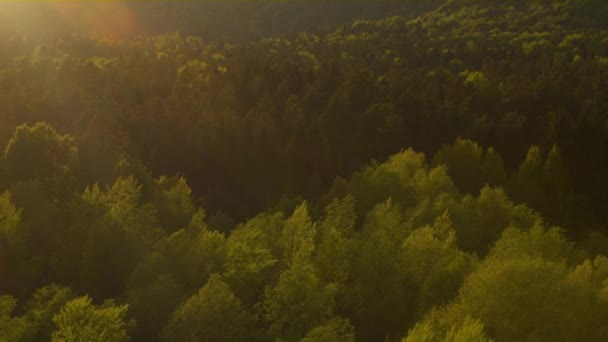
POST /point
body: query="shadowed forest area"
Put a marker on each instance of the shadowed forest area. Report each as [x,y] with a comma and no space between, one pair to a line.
[405,171]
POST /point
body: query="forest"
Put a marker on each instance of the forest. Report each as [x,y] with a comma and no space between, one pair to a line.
[397,171]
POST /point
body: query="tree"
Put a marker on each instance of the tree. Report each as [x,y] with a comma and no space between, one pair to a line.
[40,309]
[526,299]
[121,229]
[471,331]
[559,204]
[10,217]
[527,182]
[469,166]
[394,178]
[173,202]
[464,161]
[298,237]
[35,324]
[534,242]
[484,219]
[212,314]
[152,305]
[11,328]
[334,330]
[334,251]
[33,241]
[422,332]
[297,303]
[10,237]
[494,173]
[127,209]
[168,274]
[546,186]
[79,320]
[468,330]
[252,257]
[38,152]
[430,257]
[590,278]
[381,304]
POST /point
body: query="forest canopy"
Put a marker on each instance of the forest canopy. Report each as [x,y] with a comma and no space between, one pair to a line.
[279,171]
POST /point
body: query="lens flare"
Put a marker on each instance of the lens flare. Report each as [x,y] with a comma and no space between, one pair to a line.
[103,19]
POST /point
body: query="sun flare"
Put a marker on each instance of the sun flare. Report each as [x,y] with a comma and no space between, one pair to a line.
[105,19]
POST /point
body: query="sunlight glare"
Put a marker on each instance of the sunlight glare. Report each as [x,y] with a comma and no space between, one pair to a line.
[97,18]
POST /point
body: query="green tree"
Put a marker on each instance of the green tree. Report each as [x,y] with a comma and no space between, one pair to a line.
[10,238]
[212,314]
[174,203]
[177,266]
[430,257]
[33,242]
[486,217]
[10,217]
[11,328]
[527,181]
[379,306]
[40,309]
[471,330]
[464,161]
[535,242]
[298,302]
[120,230]
[468,330]
[35,323]
[38,152]
[252,257]
[422,332]
[376,182]
[152,305]
[524,299]
[470,166]
[559,202]
[298,237]
[334,330]
[127,209]
[494,173]
[334,251]
[79,320]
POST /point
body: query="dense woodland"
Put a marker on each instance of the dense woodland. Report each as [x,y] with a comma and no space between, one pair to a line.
[434,171]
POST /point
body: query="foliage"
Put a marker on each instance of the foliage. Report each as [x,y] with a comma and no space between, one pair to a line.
[213,314]
[424,171]
[79,320]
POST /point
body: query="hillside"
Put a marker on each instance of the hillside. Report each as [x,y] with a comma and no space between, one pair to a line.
[317,172]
